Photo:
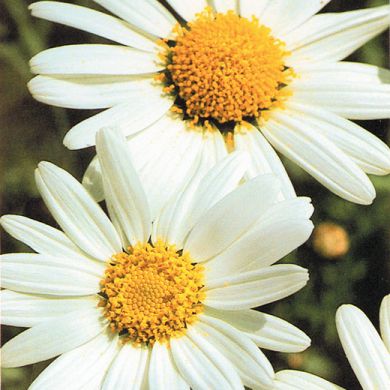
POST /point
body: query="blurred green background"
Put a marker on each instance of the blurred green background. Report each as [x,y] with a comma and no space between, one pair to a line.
[31,132]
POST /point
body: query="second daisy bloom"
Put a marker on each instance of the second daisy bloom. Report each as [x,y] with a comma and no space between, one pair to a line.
[238,75]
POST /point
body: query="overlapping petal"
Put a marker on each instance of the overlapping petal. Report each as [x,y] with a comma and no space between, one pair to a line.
[92,21]
[241,291]
[364,348]
[76,212]
[320,157]
[384,317]
[265,330]
[83,367]
[298,380]
[128,368]
[52,338]
[28,310]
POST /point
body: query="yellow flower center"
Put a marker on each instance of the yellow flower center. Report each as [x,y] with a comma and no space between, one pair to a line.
[151,293]
[224,67]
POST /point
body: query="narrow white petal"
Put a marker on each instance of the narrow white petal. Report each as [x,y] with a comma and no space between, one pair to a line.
[127,369]
[79,367]
[148,15]
[122,187]
[367,151]
[93,92]
[253,367]
[283,16]
[44,274]
[384,316]
[222,6]
[76,212]
[265,330]
[92,180]
[263,158]
[94,59]
[343,71]
[249,8]
[261,245]
[143,109]
[365,350]
[201,193]
[52,338]
[91,21]
[163,373]
[231,217]
[332,37]
[41,238]
[255,288]
[193,354]
[347,98]
[29,310]
[320,157]
[291,380]
[188,8]
[166,152]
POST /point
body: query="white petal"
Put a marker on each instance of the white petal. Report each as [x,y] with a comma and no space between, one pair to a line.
[29,310]
[148,15]
[188,8]
[98,59]
[127,369]
[222,6]
[43,274]
[253,367]
[162,371]
[92,92]
[52,338]
[91,21]
[166,152]
[131,116]
[255,288]
[343,71]
[332,37]
[193,354]
[300,142]
[262,246]
[249,8]
[231,217]
[122,187]
[364,349]
[201,193]
[263,158]
[367,151]
[348,98]
[41,238]
[79,367]
[384,316]
[283,16]
[92,180]
[76,212]
[291,379]
[266,331]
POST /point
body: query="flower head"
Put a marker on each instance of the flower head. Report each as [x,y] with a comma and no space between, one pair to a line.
[236,75]
[132,300]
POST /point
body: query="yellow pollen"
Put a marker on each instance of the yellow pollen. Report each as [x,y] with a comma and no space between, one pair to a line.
[227,68]
[151,293]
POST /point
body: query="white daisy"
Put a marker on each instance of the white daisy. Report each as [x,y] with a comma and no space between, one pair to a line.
[166,305]
[267,72]
[298,380]
[368,355]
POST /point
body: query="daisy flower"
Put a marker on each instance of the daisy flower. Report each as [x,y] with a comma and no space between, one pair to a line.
[235,74]
[167,305]
[368,354]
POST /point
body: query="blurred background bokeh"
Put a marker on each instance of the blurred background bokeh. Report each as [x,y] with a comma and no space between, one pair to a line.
[348,255]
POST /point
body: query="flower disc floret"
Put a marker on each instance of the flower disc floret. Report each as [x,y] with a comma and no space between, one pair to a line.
[151,293]
[227,68]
